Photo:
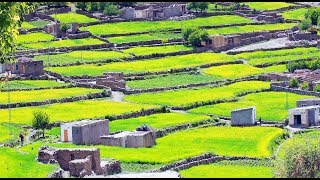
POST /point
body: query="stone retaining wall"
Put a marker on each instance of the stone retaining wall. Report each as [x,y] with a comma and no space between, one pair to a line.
[57,11]
[275,87]
[63,100]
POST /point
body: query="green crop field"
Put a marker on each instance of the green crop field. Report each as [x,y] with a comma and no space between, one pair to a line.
[227,171]
[30,84]
[34,37]
[145,50]
[63,43]
[80,56]
[15,163]
[34,24]
[146,26]
[250,28]
[241,70]
[156,121]
[165,36]
[165,63]
[190,96]
[171,80]
[270,106]
[227,141]
[73,17]
[295,14]
[268,5]
[73,111]
[45,94]
[5,129]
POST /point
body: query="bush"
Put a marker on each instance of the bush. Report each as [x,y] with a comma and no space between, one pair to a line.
[313,14]
[81,5]
[294,83]
[111,9]
[305,24]
[305,86]
[316,88]
[92,6]
[64,27]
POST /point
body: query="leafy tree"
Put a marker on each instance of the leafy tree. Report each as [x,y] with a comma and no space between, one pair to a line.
[40,120]
[187,31]
[64,27]
[192,5]
[305,24]
[81,5]
[194,35]
[92,6]
[12,16]
[305,86]
[316,88]
[294,83]
[102,6]
[111,9]
[202,5]
[313,14]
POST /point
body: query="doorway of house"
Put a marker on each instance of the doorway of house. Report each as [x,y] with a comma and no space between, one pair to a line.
[297,119]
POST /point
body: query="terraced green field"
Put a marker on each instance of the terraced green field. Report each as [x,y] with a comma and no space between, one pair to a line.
[295,14]
[268,5]
[34,24]
[228,141]
[145,50]
[270,106]
[15,163]
[45,94]
[73,17]
[250,28]
[262,57]
[80,56]
[241,70]
[165,63]
[63,43]
[156,121]
[73,111]
[29,84]
[5,131]
[190,96]
[165,36]
[171,80]
[219,170]
[34,37]
[147,26]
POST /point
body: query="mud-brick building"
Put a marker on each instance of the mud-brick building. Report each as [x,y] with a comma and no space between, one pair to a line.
[243,117]
[304,116]
[114,80]
[25,67]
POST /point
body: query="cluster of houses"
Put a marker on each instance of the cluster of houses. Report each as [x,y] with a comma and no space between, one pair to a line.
[24,66]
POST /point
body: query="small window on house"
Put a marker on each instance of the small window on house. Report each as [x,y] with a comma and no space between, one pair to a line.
[17,67]
[317,104]
[303,105]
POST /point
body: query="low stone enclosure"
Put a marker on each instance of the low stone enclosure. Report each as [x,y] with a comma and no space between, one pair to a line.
[78,161]
[113,80]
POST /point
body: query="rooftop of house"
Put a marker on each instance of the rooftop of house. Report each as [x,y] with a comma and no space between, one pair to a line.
[83,122]
[305,108]
[243,109]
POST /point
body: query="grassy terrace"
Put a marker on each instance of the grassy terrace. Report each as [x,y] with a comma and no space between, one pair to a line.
[156,121]
[40,95]
[171,80]
[145,37]
[229,141]
[261,57]
[80,56]
[15,163]
[270,106]
[166,63]
[29,84]
[295,14]
[34,24]
[146,26]
[73,17]
[34,37]
[250,28]
[268,5]
[225,169]
[73,111]
[63,43]
[5,132]
[240,70]
[145,50]
[190,96]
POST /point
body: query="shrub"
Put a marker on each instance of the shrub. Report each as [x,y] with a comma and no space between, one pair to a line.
[81,5]
[92,6]
[111,9]
[313,15]
[305,86]
[316,88]
[305,24]
[64,27]
[294,83]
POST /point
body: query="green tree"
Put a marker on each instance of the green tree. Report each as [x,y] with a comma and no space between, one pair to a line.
[305,24]
[11,18]
[316,88]
[64,27]
[92,6]
[305,86]
[197,36]
[313,14]
[102,6]
[187,31]
[40,120]
[81,5]
[111,9]
[294,83]
[202,5]
[192,6]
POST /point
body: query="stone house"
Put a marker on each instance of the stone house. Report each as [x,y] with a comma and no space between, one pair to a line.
[114,80]
[218,42]
[245,116]
[24,66]
[54,29]
[84,132]
[304,116]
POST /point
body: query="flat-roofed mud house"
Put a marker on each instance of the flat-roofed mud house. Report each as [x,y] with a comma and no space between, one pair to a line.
[24,66]
[306,113]
[243,117]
